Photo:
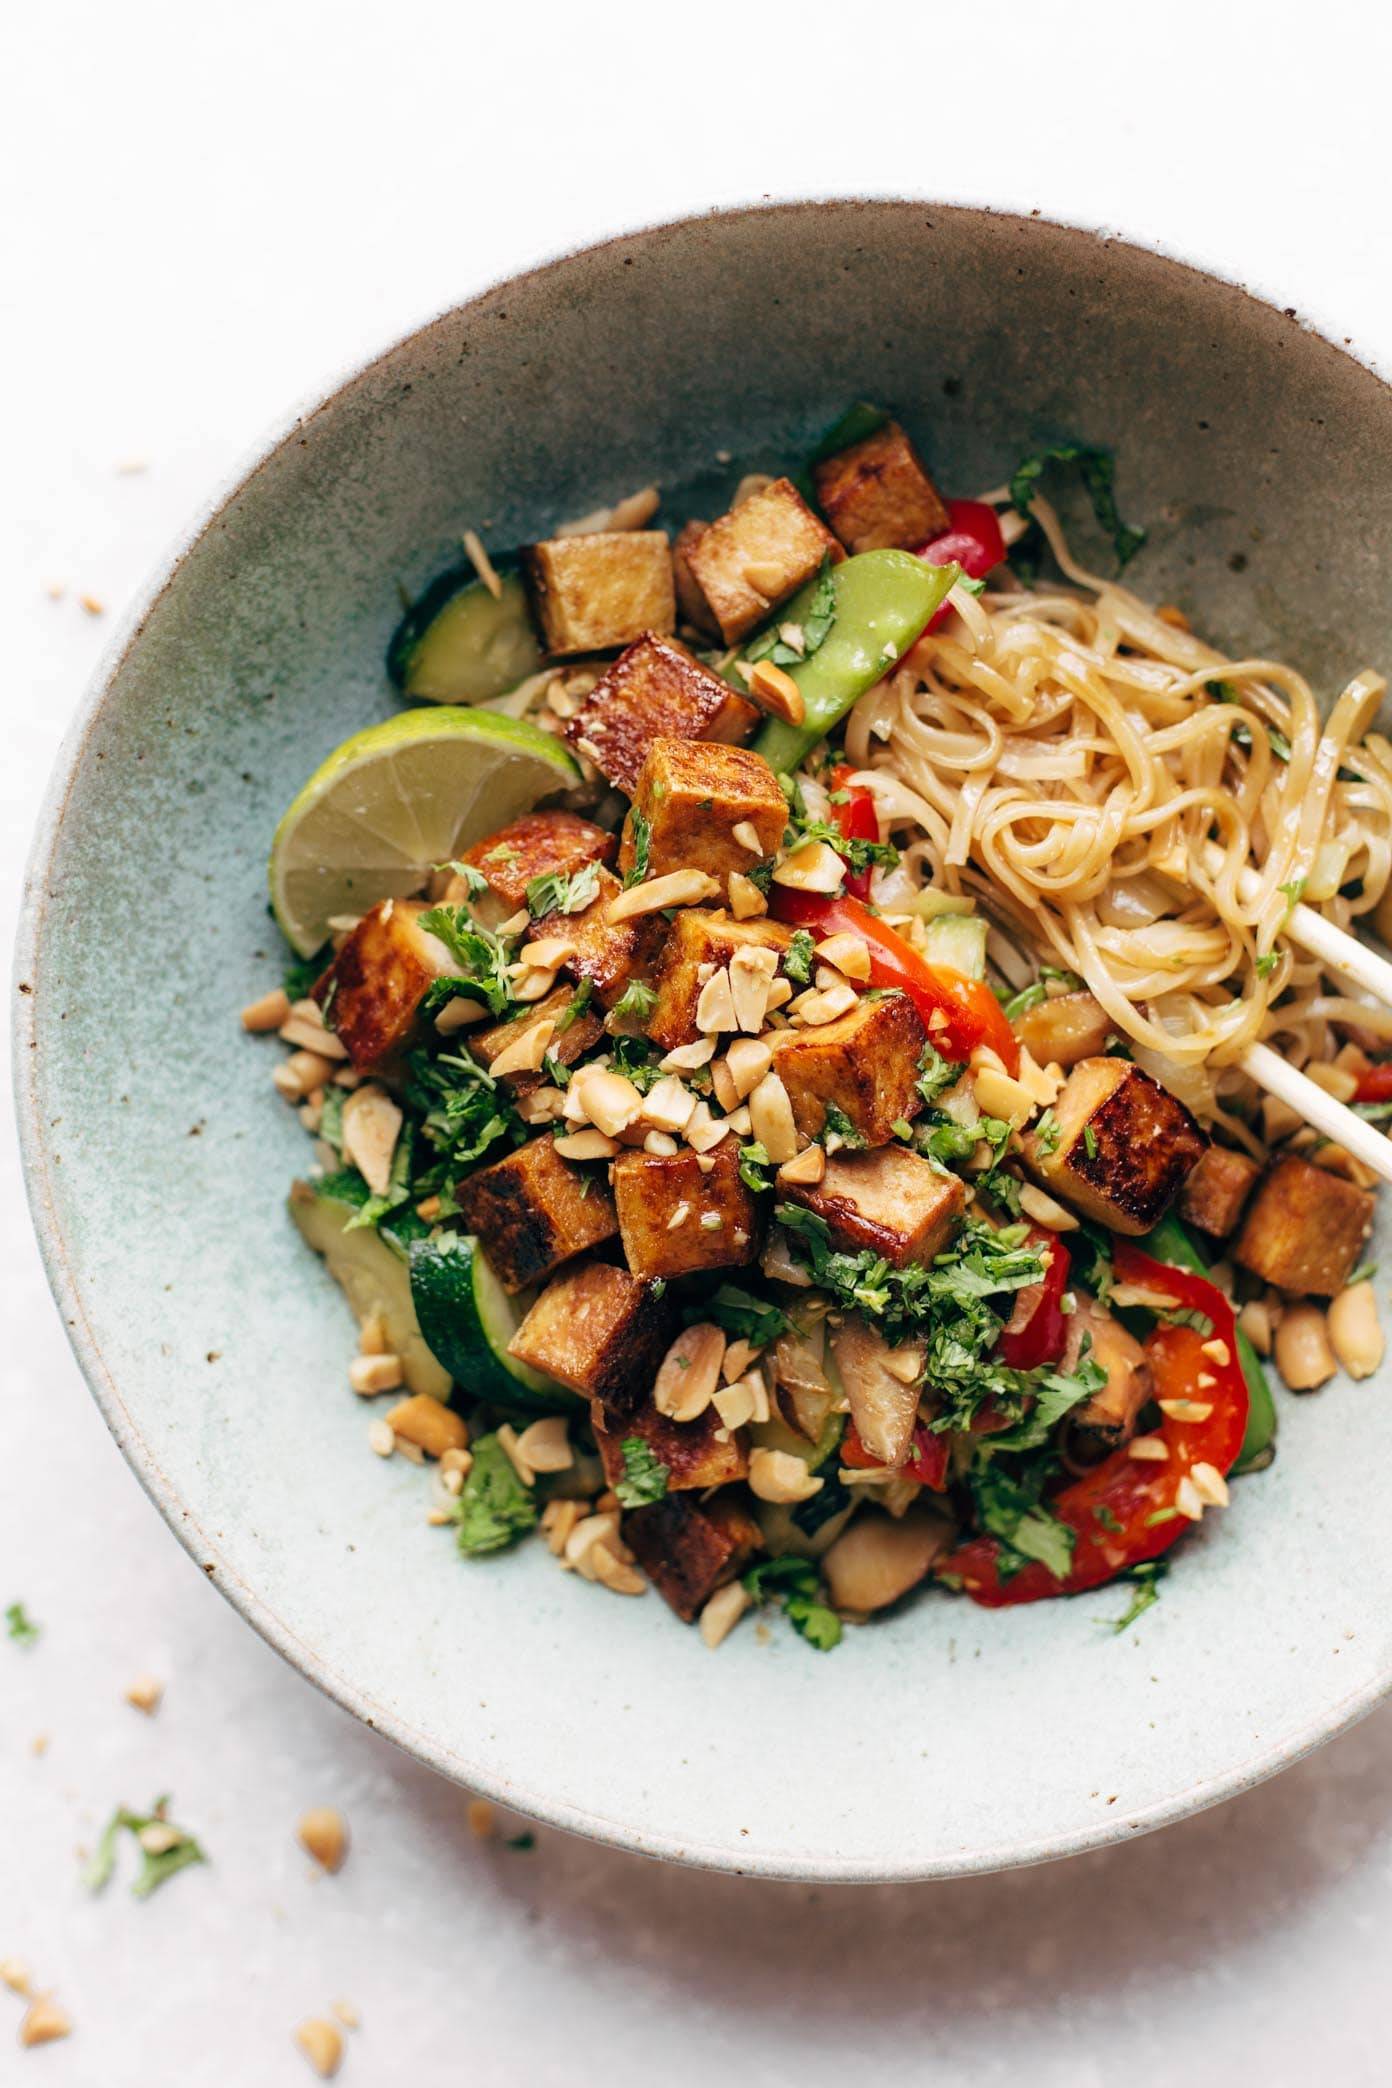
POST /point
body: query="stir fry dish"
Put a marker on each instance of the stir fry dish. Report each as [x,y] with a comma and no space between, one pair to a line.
[831,1047]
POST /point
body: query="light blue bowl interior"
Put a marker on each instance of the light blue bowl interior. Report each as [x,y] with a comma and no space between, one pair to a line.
[159,1156]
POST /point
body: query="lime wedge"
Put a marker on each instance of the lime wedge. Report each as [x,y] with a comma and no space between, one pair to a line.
[396,799]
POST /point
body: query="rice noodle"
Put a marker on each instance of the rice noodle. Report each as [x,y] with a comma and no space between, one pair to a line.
[1065,756]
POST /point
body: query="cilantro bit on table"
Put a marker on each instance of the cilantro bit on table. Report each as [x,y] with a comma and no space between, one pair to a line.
[20,1626]
[164,1849]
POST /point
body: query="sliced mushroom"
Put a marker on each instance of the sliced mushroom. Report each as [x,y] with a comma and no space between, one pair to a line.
[878,1559]
[883,1407]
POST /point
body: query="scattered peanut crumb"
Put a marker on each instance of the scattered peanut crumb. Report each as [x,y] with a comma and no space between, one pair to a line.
[55,590]
[483,1818]
[321,2045]
[39,1744]
[93,604]
[146,1693]
[347,2014]
[43,2022]
[131,467]
[15,1974]
[324,1833]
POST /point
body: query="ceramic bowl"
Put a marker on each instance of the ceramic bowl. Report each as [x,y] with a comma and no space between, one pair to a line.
[942,1739]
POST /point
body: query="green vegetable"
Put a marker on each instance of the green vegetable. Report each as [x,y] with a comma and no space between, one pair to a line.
[483,958]
[836,1124]
[1009,1509]
[494,1508]
[372,1268]
[1170,1242]
[742,1315]
[755,1167]
[644,1474]
[799,958]
[636,1002]
[857,424]
[936,1075]
[525,1840]
[20,1627]
[563,892]
[1097,469]
[641,827]
[884,600]
[794,1583]
[958,941]
[1047,1133]
[460,644]
[821,615]
[1147,1578]
[457,1113]
[304,973]
[467,1320]
[156,1863]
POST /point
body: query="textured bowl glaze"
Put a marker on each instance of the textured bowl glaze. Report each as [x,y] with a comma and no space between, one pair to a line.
[942,1740]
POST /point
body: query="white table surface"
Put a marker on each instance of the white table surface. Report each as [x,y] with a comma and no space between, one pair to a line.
[210,210]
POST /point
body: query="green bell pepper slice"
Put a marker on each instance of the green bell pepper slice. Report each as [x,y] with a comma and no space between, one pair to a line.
[1169,1242]
[884,600]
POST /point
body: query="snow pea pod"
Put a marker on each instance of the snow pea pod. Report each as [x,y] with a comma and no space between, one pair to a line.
[884,600]
[1170,1242]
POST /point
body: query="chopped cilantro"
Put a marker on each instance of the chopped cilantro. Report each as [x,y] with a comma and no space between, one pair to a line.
[936,1074]
[303,973]
[483,959]
[575,1006]
[1009,1510]
[494,1507]
[473,881]
[164,1849]
[562,892]
[632,1056]
[1108,1521]
[1147,1578]
[640,826]
[836,1124]
[524,1841]
[902,1128]
[1362,1274]
[1097,469]
[1294,891]
[457,1112]
[20,1626]
[1047,1133]
[755,1166]
[636,1002]
[794,1583]
[1090,1141]
[644,1474]
[799,957]
[503,852]
[771,644]
[556,1073]
[1267,964]
[743,1315]
[1028,997]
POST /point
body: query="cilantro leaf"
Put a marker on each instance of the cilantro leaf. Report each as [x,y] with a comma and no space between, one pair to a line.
[20,1626]
[743,1315]
[755,1166]
[1047,1133]
[494,1507]
[808,636]
[644,1474]
[562,892]
[474,882]
[1010,1511]
[793,1582]
[1097,469]
[164,1849]
[1147,1577]
[936,1074]
[482,957]
[304,973]
[799,957]
[836,1124]
[641,827]
[457,1111]
[636,1002]
[575,1006]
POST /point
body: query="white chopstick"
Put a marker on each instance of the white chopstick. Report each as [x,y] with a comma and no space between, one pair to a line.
[1333,946]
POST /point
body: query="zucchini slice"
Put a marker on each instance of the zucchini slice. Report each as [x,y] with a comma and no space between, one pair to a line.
[957,941]
[468,1319]
[461,644]
[372,1268]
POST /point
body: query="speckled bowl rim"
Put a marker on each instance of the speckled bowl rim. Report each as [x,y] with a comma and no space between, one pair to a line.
[196,1540]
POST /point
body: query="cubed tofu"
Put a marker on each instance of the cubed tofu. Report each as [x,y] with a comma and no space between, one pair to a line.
[571,1044]
[864,1064]
[607,953]
[697,1453]
[1065,1029]
[535,846]
[757,555]
[693,796]
[1125,1146]
[690,1548]
[890,1201]
[699,940]
[600,1331]
[596,593]
[534,1211]
[1214,1195]
[691,602]
[1305,1229]
[655,689]
[371,993]
[675,1217]
[877,495]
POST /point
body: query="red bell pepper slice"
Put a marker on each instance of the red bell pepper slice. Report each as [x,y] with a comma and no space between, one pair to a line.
[1038,1327]
[959,1013]
[858,821]
[1123,1511]
[1375,1084]
[928,1464]
[971,540]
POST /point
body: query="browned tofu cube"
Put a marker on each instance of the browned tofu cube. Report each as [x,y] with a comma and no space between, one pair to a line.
[864,1064]
[654,689]
[693,796]
[600,1331]
[1214,1195]
[757,555]
[1305,1229]
[674,1217]
[690,1548]
[371,993]
[568,1045]
[877,495]
[534,1211]
[890,1201]
[697,1453]
[1125,1146]
[596,593]
[607,953]
[699,940]
[692,604]
[1064,1029]
[535,846]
